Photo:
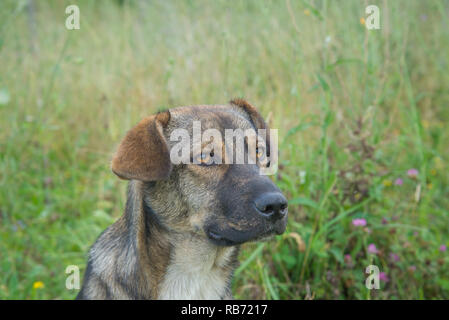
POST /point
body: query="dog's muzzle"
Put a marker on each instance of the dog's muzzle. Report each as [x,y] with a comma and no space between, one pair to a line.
[269,210]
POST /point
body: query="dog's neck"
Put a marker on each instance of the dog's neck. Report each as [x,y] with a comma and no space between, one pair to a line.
[197,270]
[177,265]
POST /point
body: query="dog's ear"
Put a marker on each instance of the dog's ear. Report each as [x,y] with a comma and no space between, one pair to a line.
[143,154]
[256,118]
[259,123]
[252,112]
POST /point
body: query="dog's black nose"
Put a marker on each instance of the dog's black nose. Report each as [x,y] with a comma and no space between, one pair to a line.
[272,205]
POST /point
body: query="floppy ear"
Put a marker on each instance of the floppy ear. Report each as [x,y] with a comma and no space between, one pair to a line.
[143,154]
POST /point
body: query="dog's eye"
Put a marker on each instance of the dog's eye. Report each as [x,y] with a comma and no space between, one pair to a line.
[205,158]
[262,156]
[259,152]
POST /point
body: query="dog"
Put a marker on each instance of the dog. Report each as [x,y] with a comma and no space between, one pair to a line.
[183,224]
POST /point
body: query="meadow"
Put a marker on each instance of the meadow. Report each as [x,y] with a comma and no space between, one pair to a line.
[362,118]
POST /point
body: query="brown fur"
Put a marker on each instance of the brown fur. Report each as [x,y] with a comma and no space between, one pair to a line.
[143,153]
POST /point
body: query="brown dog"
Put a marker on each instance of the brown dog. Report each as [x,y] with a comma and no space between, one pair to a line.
[180,234]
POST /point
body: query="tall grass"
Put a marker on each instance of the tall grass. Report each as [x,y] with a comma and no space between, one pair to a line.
[356,109]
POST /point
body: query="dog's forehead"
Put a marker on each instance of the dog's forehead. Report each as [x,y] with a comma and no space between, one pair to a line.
[218,117]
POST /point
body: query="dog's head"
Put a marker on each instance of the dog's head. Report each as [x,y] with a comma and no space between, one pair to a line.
[202,186]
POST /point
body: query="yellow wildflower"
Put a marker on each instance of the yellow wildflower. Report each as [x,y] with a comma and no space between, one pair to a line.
[362,21]
[387,183]
[38,285]
[307,12]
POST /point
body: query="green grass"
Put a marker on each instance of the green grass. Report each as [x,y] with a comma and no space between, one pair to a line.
[356,109]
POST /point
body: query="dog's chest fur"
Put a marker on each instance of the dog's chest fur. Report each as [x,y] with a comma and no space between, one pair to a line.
[198,270]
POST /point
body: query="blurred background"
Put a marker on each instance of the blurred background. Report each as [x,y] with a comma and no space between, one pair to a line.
[362,118]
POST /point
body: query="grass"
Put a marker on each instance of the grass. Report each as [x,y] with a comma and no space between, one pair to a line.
[356,110]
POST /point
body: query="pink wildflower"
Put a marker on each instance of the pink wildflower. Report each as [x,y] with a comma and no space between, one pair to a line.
[359,222]
[372,249]
[394,257]
[348,259]
[383,277]
[412,173]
